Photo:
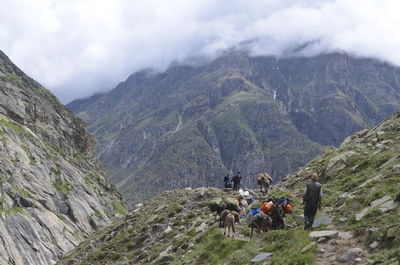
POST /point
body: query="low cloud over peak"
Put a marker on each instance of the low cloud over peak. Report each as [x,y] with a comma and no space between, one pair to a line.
[78,47]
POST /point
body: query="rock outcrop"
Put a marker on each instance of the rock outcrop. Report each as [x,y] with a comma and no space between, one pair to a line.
[189,126]
[53,192]
[361,189]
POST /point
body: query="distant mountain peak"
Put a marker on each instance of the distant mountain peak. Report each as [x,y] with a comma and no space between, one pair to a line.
[238,112]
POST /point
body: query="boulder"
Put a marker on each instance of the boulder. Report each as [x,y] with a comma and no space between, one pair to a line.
[328,234]
[350,255]
[168,230]
[338,163]
[323,220]
[387,206]
[201,228]
[374,245]
[261,257]
[308,247]
[382,201]
[370,180]
[345,235]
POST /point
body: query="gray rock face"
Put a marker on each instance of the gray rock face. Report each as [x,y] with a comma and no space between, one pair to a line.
[53,191]
[385,204]
[261,257]
[327,234]
[236,113]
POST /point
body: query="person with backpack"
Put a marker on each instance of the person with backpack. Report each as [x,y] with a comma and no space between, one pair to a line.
[312,197]
[236,181]
[227,179]
[264,181]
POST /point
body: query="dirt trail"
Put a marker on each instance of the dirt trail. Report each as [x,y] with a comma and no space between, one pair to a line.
[331,251]
[239,232]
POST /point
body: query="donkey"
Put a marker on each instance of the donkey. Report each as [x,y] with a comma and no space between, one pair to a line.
[277,215]
[229,221]
[223,215]
[261,223]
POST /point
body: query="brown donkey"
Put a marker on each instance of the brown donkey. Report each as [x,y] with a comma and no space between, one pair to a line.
[261,223]
[229,218]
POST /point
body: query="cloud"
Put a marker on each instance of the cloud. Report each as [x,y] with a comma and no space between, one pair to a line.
[78,47]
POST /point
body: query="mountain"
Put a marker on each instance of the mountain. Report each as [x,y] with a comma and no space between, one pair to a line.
[53,191]
[360,198]
[190,125]
[361,187]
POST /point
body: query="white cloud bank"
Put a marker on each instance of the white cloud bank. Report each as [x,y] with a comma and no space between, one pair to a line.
[78,47]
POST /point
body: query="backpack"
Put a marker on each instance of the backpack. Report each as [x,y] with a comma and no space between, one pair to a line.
[254,211]
[228,185]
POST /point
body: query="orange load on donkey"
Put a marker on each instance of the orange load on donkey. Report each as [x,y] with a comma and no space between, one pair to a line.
[288,208]
[266,207]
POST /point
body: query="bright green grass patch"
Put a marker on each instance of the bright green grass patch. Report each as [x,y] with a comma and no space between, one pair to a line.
[213,248]
[15,127]
[119,208]
[286,245]
[22,192]
[32,159]
[97,214]
[19,210]
[11,77]
[63,186]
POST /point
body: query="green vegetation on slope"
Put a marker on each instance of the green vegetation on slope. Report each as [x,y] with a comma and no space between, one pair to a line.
[364,169]
[214,248]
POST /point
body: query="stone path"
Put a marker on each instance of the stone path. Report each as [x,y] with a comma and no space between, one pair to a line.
[342,249]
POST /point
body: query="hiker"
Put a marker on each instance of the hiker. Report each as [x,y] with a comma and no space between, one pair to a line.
[236,181]
[227,182]
[264,181]
[312,196]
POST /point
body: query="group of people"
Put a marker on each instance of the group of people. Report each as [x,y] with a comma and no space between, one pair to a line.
[233,183]
[312,193]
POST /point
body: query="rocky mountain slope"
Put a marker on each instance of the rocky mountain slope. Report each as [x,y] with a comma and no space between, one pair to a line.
[53,192]
[191,125]
[361,203]
[361,187]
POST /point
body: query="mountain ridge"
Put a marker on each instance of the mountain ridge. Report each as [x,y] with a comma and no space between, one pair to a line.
[240,113]
[53,190]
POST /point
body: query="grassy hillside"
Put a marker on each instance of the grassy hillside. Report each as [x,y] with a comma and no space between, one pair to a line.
[361,182]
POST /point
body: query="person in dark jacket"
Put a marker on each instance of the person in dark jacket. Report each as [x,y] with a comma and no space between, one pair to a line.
[236,181]
[312,197]
[227,181]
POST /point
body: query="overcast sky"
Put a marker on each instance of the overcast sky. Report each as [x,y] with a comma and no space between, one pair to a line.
[78,47]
